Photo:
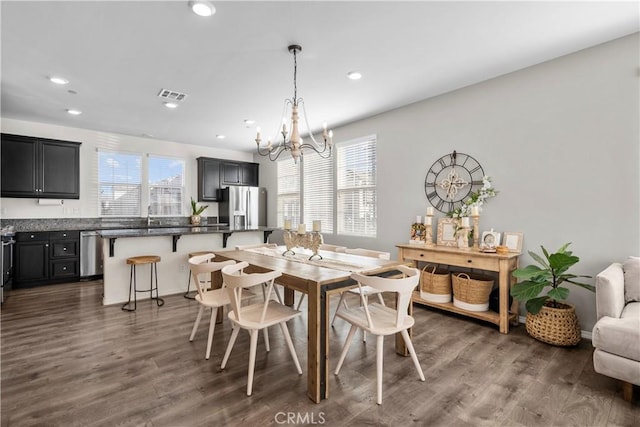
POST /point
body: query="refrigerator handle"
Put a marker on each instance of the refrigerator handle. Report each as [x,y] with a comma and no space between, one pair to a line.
[248,216]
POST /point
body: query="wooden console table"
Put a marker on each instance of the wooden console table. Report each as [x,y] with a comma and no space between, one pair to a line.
[469,258]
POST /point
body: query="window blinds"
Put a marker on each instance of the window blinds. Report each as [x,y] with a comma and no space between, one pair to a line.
[288,192]
[119,183]
[166,186]
[318,191]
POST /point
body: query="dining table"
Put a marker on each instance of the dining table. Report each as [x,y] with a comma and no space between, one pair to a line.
[320,277]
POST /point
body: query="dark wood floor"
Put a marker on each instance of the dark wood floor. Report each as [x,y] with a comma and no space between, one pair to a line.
[69,361]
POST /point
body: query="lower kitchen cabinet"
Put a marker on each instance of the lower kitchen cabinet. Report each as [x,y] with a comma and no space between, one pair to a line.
[47,257]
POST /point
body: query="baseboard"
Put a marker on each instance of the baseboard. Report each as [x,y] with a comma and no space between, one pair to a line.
[584,334]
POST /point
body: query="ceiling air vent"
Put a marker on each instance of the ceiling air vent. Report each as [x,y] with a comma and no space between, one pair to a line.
[172,95]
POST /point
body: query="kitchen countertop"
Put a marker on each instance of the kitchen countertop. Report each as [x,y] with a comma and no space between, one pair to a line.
[173,230]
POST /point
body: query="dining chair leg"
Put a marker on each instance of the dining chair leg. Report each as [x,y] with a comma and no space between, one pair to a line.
[345,349]
[252,360]
[379,364]
[265,332]
[412,352]
[364,333]
[232,341]
[338,306]
[212,327]
[292,350]
[197,323]
[300,301]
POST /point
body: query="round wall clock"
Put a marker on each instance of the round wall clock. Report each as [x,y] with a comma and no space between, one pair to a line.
[451,179]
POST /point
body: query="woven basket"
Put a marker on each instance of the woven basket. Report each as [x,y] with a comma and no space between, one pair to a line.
[435,285]
[471,292]
[556,326]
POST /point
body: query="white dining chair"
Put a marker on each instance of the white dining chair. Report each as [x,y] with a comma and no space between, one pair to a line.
[255,317]
[201,268]
[380,320]
[262,245]
[365,291]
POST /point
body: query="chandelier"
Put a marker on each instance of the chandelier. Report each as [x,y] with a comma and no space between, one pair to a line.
[295,144]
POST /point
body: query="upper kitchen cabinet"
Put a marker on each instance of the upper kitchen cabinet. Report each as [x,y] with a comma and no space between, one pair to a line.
[238,173]
[208,179]
[40,168]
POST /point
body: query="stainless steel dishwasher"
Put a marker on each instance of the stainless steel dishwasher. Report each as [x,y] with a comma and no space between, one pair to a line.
[90,254]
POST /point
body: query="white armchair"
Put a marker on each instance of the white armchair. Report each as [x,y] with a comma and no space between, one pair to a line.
[616,334]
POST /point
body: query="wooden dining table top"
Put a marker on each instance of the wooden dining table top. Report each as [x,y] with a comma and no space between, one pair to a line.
[313,272]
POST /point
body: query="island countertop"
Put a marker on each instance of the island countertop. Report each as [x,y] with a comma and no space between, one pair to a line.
[176,232]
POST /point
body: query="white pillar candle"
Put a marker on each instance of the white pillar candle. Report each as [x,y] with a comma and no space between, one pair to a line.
[475,211]
[287,224]
[465,221]
[427,220]
[430,211]
[418,219]
[316,225]
[302,229]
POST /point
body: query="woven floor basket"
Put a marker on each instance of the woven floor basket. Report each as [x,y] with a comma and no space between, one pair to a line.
[557,326]
[435,285]
[471,292]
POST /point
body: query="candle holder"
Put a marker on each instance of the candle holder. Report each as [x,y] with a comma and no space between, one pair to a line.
[476,232]
[428,232]
[309,240]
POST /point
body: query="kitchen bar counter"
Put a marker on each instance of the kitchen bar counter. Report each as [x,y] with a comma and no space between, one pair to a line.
[177,232]
[172,245]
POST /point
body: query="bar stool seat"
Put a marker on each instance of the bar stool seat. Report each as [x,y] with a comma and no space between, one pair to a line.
[153,261]
[193,294]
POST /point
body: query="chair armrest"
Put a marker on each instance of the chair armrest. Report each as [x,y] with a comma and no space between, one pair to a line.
[610,291]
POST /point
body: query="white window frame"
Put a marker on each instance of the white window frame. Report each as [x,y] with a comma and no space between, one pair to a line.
[154,207]
[116,183]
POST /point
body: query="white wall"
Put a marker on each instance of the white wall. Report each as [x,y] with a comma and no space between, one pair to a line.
[87,205]
[560,141]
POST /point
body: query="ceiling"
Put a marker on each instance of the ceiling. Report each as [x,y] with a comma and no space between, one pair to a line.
[235,65]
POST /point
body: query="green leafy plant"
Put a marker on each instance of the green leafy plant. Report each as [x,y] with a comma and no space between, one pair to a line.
[195,209]
[552,274]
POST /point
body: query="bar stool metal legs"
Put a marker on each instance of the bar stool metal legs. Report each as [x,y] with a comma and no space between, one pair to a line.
[133,289]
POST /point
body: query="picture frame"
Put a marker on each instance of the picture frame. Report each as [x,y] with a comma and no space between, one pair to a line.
[418,233]
[513,241]
[490,239]
[447,232]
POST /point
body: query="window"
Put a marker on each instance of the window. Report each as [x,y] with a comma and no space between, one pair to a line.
[288,192]
[340,191]
[318,191]
[166,186]
[356,188]
[119,183]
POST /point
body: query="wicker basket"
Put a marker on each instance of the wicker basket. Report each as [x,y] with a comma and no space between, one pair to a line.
[435,285]
[557,326]
[471,292]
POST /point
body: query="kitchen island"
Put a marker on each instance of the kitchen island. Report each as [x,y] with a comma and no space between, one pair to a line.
[172,244]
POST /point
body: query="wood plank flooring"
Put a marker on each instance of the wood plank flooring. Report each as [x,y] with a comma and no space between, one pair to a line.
[69,361]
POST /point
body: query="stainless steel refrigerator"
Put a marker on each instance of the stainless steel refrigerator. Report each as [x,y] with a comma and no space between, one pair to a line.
[243,207]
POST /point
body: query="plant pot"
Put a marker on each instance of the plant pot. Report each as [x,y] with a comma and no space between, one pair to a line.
[555,325]
[195,219]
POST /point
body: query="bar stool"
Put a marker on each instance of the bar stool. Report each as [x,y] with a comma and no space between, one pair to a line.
[153,261]
[195,292]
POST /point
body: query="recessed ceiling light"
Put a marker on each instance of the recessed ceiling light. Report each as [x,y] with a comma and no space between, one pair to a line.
[58,80]
[74,112]
[170,105]
[220,136]
[354,75]
[202,8]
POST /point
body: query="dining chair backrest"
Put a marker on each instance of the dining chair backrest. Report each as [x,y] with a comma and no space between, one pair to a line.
[332,248]
[369,252]
[201,264]
[402,286]
[259,245]
[236,280]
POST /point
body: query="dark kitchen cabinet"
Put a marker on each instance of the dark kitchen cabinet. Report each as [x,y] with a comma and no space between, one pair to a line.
[40,168]
[208,179]
[47,257]
[32,258]
[238,173]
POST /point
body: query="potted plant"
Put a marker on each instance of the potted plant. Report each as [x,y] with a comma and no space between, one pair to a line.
[548,319]
[196,211]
